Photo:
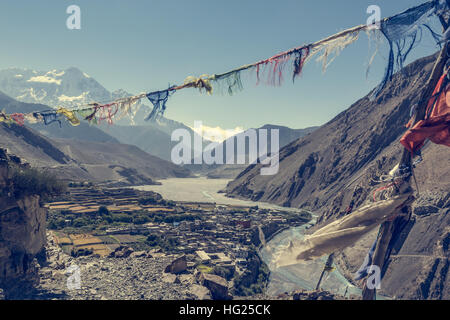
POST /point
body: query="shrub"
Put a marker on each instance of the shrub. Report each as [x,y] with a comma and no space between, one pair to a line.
[204,269]
[140,219]
[167,244]
[152,199]
[170,203]
[103,211]
[30,181]
[80,222]
[81,252]
[56,223]
[122,218]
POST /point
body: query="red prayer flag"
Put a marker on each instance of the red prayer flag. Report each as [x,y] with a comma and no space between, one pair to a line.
[436,126]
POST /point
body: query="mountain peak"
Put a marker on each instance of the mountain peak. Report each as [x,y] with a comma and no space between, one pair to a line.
[74,71]
[54,87]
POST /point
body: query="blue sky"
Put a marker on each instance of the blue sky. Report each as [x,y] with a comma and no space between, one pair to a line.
[142,45]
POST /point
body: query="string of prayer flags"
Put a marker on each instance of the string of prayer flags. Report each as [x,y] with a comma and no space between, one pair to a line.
[403,32]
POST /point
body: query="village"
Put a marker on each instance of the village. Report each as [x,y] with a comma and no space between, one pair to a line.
[94,220]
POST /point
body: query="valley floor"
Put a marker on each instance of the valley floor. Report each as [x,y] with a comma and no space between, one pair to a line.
[122,240]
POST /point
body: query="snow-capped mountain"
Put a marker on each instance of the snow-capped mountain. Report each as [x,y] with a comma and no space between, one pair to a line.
[63,88]
[54,88]
[72,87]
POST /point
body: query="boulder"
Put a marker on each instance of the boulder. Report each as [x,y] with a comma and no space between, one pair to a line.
[121,252]
[177,266]
[186,278]
[199,292]
[217,286]
[170,278]
[138,254]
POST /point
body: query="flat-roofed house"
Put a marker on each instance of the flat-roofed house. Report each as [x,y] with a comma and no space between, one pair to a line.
[204,257]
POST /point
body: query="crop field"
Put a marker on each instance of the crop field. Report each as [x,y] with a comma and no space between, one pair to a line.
[84,239]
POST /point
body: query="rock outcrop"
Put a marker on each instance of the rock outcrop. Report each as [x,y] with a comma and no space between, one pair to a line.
[22,230]
[217,286]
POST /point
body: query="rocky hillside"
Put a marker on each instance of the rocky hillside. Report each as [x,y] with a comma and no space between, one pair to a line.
[335,164]
[79,160]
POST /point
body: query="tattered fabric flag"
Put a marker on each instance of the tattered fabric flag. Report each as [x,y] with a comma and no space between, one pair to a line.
[125,106]
[105,112]
[273,67]
[49,116]
[159,100]
[5,118]
[436,125]
[202,82]
[70,116]
[299,62]
[402,32]
[33,118]
[374,36]
[334,46]
[18,118]
[87,113]
[230,81]
[446,36]
[91,117]
[341,233]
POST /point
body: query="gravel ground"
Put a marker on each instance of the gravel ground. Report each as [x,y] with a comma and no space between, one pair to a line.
[130,278]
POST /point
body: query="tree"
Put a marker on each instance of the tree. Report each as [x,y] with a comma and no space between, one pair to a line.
[103,211]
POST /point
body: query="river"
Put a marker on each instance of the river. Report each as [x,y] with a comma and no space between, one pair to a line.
[283,279]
